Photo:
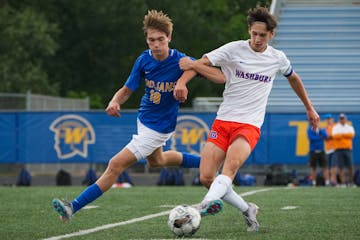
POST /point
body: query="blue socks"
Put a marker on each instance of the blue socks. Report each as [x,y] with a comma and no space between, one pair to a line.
[190,161]
[87,196]
[93,192]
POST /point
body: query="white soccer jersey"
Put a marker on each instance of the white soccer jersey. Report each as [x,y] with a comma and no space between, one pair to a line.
[249,79]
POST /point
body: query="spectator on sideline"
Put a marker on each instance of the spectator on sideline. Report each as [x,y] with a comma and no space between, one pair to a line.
[330,149]
[344,133]
[317,155]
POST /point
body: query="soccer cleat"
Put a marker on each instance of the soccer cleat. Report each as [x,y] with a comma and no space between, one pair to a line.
[250,218]
[211,208]
[63,208]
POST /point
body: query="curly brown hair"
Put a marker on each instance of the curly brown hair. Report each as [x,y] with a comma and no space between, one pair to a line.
[261,14]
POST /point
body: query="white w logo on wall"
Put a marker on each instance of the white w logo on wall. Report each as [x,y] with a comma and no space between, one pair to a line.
[73,134]
[190,134]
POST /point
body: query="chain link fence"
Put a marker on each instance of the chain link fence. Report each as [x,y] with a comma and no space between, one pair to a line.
[36,102]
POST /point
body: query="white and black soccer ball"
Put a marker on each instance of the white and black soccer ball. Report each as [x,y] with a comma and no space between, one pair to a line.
[184,220]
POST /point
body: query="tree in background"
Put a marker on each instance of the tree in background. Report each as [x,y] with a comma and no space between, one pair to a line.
[26,43]
[95,43]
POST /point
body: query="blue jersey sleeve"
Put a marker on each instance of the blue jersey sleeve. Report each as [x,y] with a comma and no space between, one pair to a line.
[137,74]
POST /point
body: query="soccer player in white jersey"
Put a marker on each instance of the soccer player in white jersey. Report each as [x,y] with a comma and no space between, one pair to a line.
[159,68]
[250,67]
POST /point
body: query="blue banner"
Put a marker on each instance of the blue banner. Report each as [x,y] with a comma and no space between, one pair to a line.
[94,137]
[8,138]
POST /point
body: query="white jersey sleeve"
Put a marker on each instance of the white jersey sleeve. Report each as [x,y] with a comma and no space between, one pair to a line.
[221,55]
[285,66]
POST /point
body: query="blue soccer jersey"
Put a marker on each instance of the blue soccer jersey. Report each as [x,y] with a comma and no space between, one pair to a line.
[158,109]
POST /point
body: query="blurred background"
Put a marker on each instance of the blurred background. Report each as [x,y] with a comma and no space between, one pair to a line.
[62,58]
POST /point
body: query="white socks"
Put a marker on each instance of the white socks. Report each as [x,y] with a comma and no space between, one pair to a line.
[218,188]
[221,188]
[235,200]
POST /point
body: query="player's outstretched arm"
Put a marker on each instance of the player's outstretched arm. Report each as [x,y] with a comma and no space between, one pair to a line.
[298,87]
[191,68]
[181,91]
[204,67]
[120,97]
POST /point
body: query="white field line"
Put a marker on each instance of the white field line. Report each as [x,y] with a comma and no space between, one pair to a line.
[134,220]
[289,207]
[256,191]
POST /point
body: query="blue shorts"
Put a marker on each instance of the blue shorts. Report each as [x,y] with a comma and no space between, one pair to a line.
[331,160]
[344,158]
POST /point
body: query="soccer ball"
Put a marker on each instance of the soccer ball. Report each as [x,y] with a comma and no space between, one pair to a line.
[184,220]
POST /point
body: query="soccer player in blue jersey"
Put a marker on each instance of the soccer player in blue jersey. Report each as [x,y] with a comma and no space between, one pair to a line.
[159,67]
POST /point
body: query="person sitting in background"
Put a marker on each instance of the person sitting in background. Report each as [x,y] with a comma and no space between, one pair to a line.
[330,149]
[317,154]
[343,133]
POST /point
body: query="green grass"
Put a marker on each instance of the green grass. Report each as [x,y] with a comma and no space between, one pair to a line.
[321,213]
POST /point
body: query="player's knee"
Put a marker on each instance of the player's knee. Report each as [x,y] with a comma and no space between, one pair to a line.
[114,168]
[155,163]
[206,180]
[235,164]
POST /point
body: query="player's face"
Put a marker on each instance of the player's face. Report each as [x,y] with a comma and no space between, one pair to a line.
[259,36]
[158,43]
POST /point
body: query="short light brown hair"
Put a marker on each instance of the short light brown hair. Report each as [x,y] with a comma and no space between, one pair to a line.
[159,21]
[261,14]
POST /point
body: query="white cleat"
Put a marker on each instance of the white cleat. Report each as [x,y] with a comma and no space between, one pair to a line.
[250,218]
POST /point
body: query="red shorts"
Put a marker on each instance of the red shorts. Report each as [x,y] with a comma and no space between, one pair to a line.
[223,133]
